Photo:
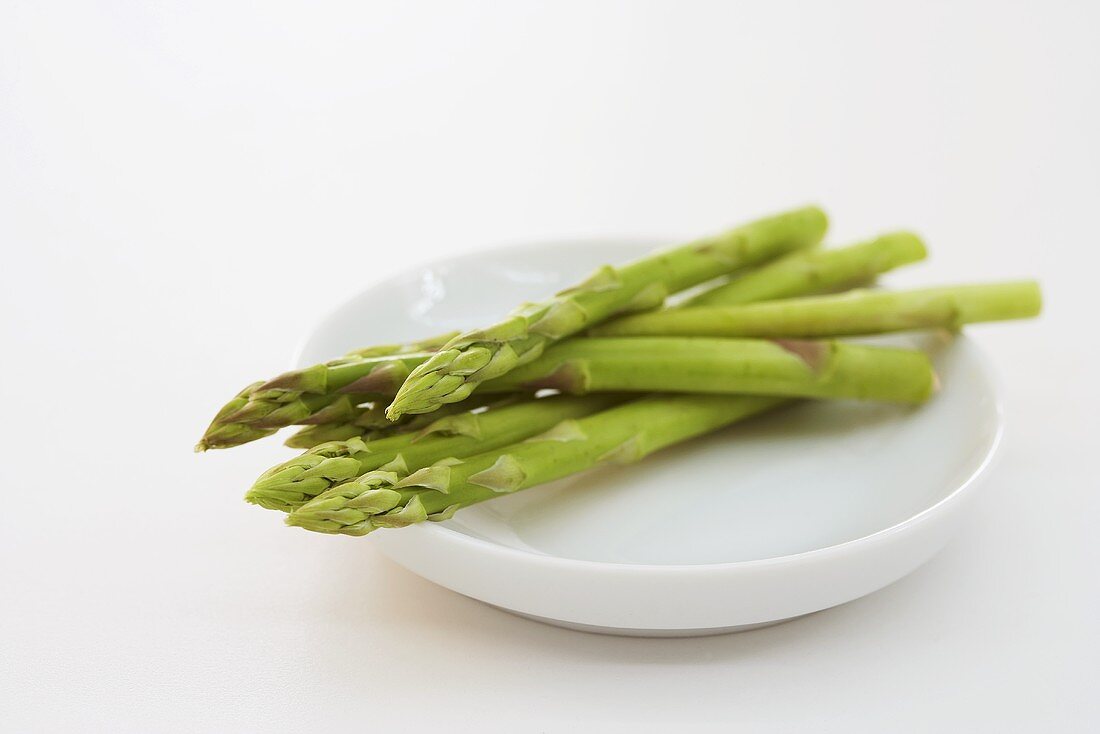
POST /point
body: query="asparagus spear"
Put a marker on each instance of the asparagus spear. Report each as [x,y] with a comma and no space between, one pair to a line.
[818,369]
[808,272]
[855,312]
[386,499]
[477,356]
[371,423]
[293,482]
[654,364]
[309,436]
[430,344]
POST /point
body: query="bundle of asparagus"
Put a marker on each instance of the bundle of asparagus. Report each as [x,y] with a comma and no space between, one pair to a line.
[400,434]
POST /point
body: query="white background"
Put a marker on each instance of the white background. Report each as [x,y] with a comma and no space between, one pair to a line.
[185,188]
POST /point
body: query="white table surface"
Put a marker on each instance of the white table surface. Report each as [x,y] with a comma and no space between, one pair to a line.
[185,188]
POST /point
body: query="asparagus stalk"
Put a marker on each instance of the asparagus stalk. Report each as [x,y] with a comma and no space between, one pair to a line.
[387,499]
[291,483]
[809,272]
[579,366]
[855,312]
[477,356]
[430,344]
[308,437]
[371,423]
[816,369]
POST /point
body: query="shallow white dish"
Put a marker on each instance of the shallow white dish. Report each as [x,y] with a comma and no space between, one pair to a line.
[785,515]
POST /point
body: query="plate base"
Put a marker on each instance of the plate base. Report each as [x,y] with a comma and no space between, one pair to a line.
[631,632]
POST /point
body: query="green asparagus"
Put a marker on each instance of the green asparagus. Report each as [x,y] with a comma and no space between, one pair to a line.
[430,344]
[817,369]
[808,272]
[368,422]
[310,396]
[392,499]
[324,393]
[371,423]
[654,364]
[307,437]
[481,355]
[852,313]
[291,483]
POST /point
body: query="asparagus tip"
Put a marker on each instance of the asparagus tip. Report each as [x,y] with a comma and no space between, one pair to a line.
[307,521]
[296,520]
[269,502]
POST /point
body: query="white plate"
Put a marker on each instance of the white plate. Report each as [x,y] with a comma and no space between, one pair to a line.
[786,515]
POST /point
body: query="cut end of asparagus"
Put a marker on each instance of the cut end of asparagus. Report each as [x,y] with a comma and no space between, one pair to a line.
[907,247]
[818,218]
